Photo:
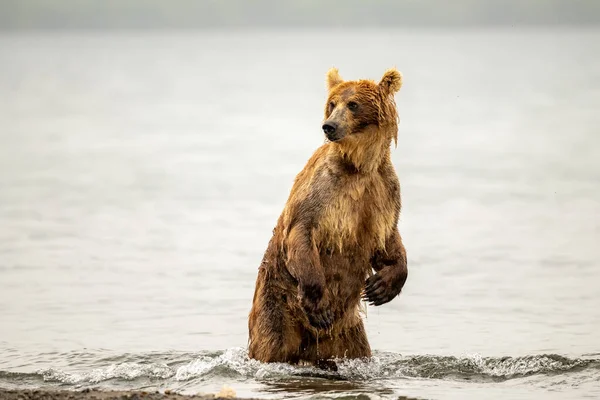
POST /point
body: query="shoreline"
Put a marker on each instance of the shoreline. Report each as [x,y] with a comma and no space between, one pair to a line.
[96,394]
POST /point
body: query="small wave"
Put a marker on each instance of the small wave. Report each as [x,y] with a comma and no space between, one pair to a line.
[17,376]
[483,368]
[389,365]
[235,363]
[124,371]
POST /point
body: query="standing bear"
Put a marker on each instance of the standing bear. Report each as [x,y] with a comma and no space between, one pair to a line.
[338,225]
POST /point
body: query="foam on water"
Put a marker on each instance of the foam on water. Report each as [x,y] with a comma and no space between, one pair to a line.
[125,371]
[234,363]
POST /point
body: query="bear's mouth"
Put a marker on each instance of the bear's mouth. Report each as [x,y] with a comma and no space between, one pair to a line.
[334,137]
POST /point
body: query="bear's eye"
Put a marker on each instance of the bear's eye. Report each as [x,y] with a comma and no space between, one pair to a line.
[331,105]
[352,106]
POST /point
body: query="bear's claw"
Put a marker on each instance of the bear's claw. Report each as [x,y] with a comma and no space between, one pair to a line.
[377,292]
[322,319]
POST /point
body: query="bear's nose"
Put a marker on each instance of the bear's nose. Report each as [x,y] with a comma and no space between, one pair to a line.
[329,128]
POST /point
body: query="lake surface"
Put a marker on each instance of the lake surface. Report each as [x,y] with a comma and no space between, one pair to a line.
[141,175]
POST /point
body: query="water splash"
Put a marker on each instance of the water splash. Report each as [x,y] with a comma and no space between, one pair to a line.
[124,371]
[486,368]
[234,363]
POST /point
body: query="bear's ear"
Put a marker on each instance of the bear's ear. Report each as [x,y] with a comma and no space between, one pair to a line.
[333,78]
[391,81]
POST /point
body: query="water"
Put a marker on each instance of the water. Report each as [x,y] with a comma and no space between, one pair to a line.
[141,175]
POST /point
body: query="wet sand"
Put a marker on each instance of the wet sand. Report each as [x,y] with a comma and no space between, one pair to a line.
[87,394]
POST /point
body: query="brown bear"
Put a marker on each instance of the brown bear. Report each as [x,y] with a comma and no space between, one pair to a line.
[338,225]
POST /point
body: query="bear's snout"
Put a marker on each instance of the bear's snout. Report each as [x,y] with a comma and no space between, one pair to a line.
[331,131]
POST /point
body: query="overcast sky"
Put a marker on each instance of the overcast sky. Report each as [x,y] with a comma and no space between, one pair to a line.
[131,14]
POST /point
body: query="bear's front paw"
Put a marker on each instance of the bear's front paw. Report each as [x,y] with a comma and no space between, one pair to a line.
[320,318]
[315,306]
[384,286]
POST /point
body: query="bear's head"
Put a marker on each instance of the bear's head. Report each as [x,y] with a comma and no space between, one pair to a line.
[362,112]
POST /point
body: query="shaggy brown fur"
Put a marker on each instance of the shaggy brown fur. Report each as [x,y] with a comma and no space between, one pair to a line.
[338,225]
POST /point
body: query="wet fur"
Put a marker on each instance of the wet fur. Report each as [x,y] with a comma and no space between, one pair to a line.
[338,225]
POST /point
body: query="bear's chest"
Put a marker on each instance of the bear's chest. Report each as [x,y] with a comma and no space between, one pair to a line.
[357,212]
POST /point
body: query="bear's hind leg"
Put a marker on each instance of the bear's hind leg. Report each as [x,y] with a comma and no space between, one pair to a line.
[273,334]
[352,342]
[349,343]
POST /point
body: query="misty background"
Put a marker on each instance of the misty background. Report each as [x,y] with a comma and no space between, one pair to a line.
[147,149]
[187,14]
